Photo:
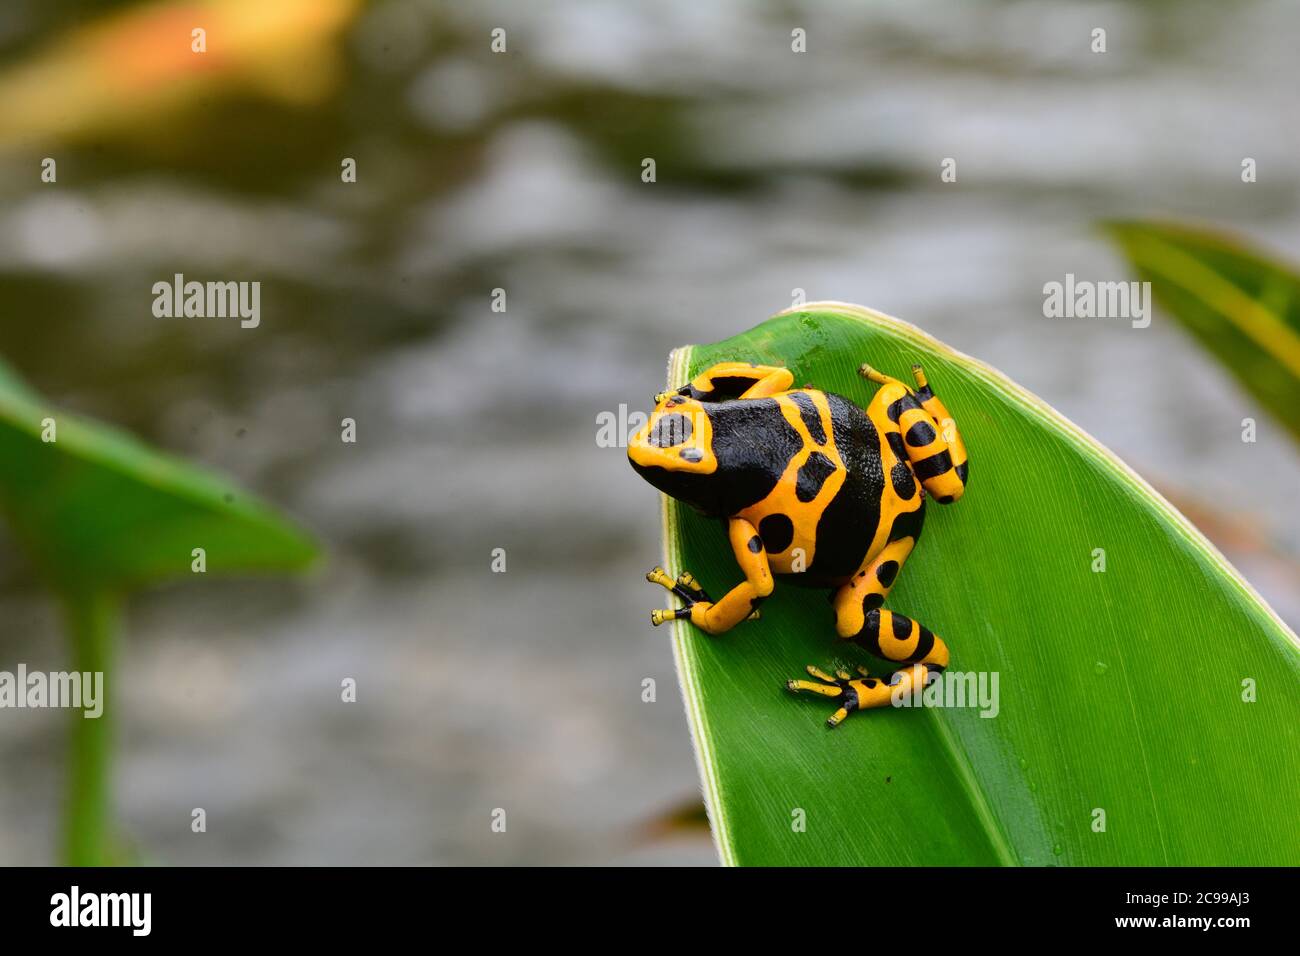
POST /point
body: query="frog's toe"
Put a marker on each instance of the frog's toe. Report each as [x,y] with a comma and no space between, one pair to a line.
[659,576]
[837,718]
[669,614]
[872,374]
[824,686]
[687,581]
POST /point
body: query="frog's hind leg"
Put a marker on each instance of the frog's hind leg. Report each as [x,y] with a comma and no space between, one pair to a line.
[860,618]
[945,483]
[921,430]
[890,636]
[899,639]
[869,586]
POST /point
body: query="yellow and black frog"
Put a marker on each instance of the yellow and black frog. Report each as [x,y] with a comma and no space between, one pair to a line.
[813,487]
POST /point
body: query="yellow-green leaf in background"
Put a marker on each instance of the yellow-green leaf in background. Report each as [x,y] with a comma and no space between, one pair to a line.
[1240,304]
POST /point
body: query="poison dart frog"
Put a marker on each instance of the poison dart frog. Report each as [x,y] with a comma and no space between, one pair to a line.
[811,487]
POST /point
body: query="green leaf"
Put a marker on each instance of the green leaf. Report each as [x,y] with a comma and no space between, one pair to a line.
[1119,691]
[1241,305]
[98,509]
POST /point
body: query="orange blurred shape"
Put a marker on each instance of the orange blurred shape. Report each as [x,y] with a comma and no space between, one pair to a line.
[139,67]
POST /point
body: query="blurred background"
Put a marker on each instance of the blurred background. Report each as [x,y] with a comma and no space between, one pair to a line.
[476,429]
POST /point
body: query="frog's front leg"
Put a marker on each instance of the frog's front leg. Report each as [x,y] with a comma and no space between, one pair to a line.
[739,604]
[735,380]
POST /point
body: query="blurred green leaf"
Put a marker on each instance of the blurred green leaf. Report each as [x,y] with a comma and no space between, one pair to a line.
[100,513]
[1120,691]
[98,508]
[1241,305]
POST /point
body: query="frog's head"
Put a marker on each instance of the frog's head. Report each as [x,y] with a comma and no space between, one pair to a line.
[674,452]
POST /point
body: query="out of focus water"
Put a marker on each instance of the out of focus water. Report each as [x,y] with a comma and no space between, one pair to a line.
[776,172]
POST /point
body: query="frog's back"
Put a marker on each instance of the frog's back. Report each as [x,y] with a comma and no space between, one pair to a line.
[822,515]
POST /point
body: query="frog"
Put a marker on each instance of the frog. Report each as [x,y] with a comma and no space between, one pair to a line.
[816,490]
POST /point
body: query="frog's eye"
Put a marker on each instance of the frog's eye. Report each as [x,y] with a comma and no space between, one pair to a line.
[670,430]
